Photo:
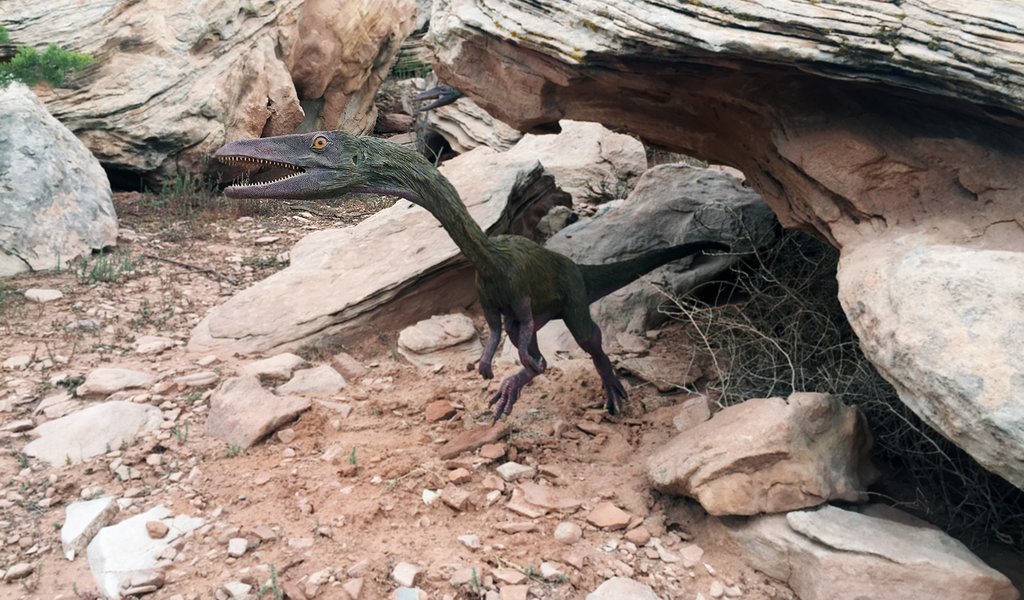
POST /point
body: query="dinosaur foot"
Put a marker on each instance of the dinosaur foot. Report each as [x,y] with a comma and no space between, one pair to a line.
[485,370]
[506,396]
[615,396]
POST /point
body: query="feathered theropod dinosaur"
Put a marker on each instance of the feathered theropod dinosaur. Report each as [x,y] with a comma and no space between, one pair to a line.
[518,281]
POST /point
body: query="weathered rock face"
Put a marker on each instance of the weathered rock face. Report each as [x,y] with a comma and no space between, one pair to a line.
[671,204]
[865,122]
[464,125]
[769,455]
[55,199]
[354,280]
[175,81]
[836,554]
[440,340]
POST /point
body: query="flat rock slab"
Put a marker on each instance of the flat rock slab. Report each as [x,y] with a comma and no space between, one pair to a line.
[664,373]
[242,412]
[440,340]
[152,344]
[92,431]
[317,381]
[623,588]
[824,554]
[472,439]
[769,455]
[125,552]
[549,497]
[82,520]
[107,380]
[608,516]
[43,295]
[279,366]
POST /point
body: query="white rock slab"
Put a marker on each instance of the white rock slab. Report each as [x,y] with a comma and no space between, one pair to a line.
[82,520]
[318,381]
[92,431]
[279,366]
[439,340]
[41,295]
[123,552]
[242,412]
[107,380]
[152,344]
[622,588]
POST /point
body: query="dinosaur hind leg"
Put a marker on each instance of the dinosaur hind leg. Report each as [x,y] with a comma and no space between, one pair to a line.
[589,338]
[508,393]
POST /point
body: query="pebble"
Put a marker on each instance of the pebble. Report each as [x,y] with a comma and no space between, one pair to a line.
[439,410]
[353,587]
[733,591]
[18,361]
[509,576]
[514,592]
[454,497]
[639,536]
[266,240]
[492,451]
[237,546]
[19,571]
[717,590]
[237,589]
[460,476]
[157,529]
[608,516]
[691,555]
[552,571]
[471,541]
[430,497]
[19,425]
[568,532]
[405,574]
[285,436]
[513,471]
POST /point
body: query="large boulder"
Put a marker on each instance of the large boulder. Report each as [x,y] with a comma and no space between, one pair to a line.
[174,80]
[671,204]
[769,455]
[391,270]
[836,554]
[464,126]
[54,196]
[863,122]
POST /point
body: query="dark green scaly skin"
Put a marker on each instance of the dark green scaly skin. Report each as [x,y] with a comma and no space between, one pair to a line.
[518,281]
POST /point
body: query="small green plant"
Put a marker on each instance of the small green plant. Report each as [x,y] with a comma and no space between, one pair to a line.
[272,586]
[5,38]
[352,457]
[474,583]
[52,65]
[181,432]
[105,267]
[233,451]
[22,460]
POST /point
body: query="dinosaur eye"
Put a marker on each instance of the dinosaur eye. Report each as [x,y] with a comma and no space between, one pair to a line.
[319,142]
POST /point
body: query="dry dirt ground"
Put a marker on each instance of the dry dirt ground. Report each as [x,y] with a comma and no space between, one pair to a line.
[330,520]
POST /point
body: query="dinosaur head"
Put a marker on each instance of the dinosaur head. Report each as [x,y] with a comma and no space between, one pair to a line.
[322,164]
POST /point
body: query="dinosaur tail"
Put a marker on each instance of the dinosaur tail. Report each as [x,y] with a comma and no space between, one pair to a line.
[602,280]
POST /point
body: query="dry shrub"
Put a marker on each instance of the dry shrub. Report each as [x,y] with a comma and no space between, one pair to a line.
[787,332]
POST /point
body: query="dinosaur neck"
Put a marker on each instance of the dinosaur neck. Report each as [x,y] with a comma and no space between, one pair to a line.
[397,171]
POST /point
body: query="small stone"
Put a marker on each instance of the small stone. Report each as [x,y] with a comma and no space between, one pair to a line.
[552,571]
[264,533]
[266,240]
[608,516]
[493,482]
[454,497]
[407,593]
[353,587]
[19,571]
[470,541]
[42,295]
[430,497]
[405,574]
[691,555]
[18,361]
[509,576]
[568,532]
[514,592]
[733,591]
[459,476]
[439,410]
[517,503]
[198,379]
[152,344]
[513,471]
[285,436]
[638,535]
[237,589]
[303,543]
[19,425]
[157,529]
[473,439]
[717,590]
[516,527]
[237,546]
[492,451]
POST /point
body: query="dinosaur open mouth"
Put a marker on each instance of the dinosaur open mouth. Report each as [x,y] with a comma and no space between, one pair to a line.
[266,172]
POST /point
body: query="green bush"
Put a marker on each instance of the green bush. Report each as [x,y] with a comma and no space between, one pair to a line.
[31,66]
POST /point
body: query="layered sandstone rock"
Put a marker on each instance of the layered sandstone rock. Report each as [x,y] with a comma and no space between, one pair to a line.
[175,81]
[883,127]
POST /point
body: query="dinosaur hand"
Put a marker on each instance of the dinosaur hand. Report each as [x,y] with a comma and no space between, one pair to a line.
[506,397]
[615,396]
[485,369]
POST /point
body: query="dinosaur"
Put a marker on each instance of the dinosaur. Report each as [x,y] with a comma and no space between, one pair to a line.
[518,281]
[441,95]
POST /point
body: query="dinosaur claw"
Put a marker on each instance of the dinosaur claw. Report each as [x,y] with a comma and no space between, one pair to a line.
[615,397]
[485,371]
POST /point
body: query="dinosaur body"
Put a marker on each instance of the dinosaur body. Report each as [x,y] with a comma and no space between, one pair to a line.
[521,285]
